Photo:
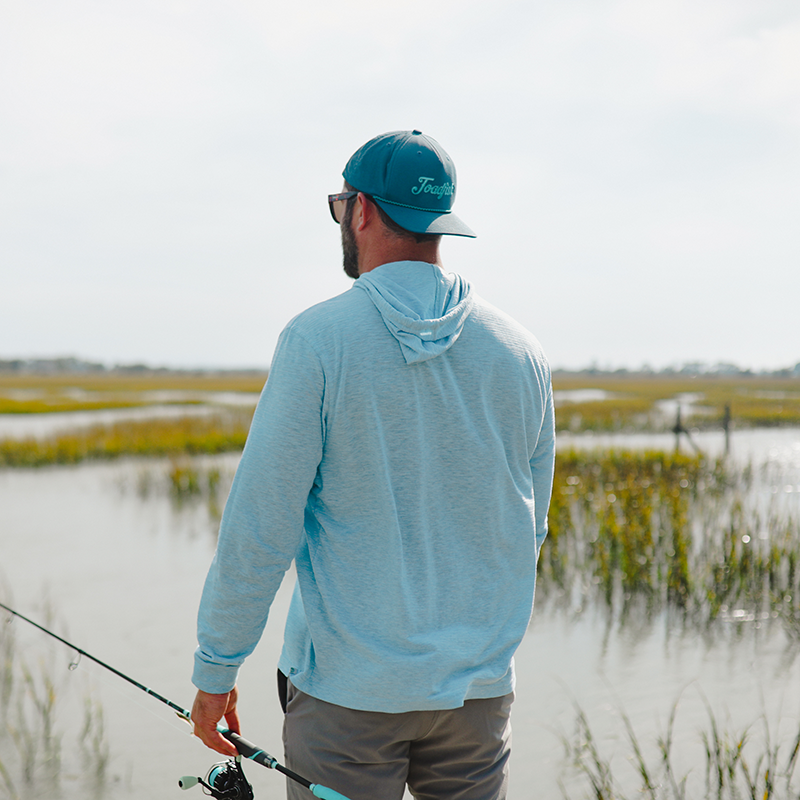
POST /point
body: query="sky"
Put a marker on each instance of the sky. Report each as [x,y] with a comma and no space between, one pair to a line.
[631,167]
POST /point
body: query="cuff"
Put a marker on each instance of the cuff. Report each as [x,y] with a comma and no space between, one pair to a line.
[213,678]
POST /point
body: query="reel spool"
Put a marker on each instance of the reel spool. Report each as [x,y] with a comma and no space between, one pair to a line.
[225,781]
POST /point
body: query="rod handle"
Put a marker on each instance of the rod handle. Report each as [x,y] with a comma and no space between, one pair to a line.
[248,749]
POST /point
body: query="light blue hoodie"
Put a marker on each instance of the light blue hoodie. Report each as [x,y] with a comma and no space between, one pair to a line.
[402,455]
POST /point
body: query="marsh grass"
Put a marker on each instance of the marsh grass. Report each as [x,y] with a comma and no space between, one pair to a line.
[30,739]
[7,653]
[188,482]
[754,401]
[41,394]
[653,532]
[632,405]
[32,728]
[61,404]
[736,765]
[66,384]
[93,745]
[29,742]
[158,437]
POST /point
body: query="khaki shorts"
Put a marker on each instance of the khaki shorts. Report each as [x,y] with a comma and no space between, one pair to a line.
[456,754]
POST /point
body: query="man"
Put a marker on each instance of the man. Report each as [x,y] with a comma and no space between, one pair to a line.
[402,455]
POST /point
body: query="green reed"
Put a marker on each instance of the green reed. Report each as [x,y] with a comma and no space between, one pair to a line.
[188,482]
[94,748]
[657,531]
[29,741]
[7,672]
[735,764]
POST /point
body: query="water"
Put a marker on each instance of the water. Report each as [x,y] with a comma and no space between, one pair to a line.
[122,563]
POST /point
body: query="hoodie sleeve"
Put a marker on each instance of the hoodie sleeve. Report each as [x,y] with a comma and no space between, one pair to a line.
[542,468]
[262,524]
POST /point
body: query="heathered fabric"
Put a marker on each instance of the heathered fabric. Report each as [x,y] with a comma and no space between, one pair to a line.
[402,455]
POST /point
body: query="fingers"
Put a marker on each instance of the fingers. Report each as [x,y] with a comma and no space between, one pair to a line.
[231,712]
[207,711]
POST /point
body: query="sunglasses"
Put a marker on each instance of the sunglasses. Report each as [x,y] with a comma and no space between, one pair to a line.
[336,203]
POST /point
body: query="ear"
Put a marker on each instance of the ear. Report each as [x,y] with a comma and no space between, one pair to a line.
[364,213]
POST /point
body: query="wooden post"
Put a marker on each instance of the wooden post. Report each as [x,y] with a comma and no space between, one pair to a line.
[726,426]
[678,429]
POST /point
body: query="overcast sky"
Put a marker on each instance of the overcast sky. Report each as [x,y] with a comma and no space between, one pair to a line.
[632,169]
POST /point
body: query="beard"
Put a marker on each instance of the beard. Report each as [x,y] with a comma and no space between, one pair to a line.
[349,244]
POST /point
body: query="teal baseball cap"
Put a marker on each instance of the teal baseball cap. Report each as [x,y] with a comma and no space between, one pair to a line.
[411,177]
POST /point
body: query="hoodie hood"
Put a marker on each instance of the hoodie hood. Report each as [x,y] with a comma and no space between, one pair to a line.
[423,307]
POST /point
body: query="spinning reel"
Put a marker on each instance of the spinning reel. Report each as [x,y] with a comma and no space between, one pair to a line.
[225,781]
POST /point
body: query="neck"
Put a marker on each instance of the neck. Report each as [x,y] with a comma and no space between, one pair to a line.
[398,250]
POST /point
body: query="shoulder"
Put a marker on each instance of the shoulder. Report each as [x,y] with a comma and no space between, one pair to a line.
[330,330]
[321,319]
[499,326]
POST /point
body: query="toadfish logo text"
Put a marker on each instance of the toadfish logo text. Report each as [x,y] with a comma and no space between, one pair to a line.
[427,186]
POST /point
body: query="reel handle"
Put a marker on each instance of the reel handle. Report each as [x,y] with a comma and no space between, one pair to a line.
[187,781]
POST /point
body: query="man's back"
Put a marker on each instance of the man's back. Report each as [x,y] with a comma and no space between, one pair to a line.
[417,557]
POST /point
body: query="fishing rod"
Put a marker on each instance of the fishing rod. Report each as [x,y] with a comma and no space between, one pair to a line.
[226,780]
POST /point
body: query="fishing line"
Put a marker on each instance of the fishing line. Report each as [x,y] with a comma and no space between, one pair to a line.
[225,781]
[174,721]
[100,678]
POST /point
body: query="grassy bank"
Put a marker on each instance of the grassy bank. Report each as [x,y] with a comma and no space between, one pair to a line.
[632,401]
[36,394]
[159,437]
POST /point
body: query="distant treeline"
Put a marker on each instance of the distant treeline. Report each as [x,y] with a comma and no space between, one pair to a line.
[70,364]
[686,370]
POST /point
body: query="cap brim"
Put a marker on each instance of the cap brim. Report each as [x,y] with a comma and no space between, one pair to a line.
[433,222]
